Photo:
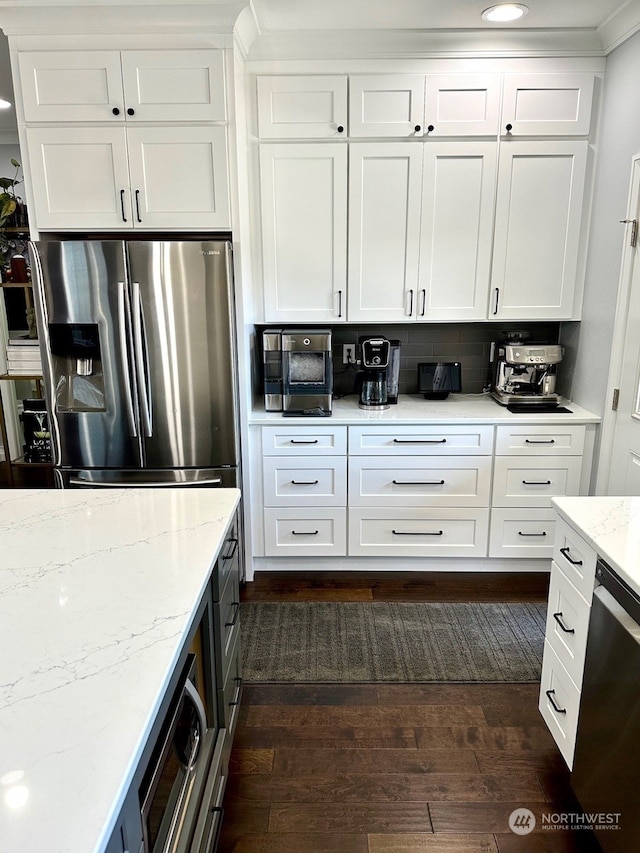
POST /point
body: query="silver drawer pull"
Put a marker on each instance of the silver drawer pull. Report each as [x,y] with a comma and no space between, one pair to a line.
[559,619]
[565,554]
[305,532]
[536,482]
[417,533]
[305,482]
[556,707]
[420,440]
[539,441]
[520,533]
[418,482]
[303,441]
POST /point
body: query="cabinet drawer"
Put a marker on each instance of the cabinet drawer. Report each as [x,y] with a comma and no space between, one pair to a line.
[421,440]
[305,532]
[417,533]
[226,616]
[301,107]
[540,440]
[313,481]
[522,533]
[228,563]
[557,688]
[534,481]
[575,558]
[567,624]
[414,481]
[304,441]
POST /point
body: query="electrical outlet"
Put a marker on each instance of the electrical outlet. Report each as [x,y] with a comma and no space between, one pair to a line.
[348,353]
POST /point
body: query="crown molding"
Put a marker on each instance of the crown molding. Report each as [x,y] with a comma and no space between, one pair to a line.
[620,26]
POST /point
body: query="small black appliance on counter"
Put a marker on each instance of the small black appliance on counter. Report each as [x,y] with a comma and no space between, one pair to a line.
[373,379]
[437,379]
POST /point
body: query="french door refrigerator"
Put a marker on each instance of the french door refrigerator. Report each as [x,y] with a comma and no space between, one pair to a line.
[138,348]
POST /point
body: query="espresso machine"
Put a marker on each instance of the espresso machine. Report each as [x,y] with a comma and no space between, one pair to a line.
[525,373]
[373,378]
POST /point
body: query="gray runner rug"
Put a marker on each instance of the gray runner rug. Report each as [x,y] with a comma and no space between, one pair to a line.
[391,642]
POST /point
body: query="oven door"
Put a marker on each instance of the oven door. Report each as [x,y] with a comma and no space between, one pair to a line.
[172,788]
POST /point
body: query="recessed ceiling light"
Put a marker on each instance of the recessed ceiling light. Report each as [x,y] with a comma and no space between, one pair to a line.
[505,12]
[4,105]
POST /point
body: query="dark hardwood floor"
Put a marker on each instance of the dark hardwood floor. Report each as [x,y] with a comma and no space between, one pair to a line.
[394,768]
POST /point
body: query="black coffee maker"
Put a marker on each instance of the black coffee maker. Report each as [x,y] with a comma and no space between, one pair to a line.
[373,380]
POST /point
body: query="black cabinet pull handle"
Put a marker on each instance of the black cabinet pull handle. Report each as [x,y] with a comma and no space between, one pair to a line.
[236,701]
[424,301]
[339,303]
[215,830]
[234,618]
[565,554]
[138,205]
[418,482]
[131,111]
[305,482]
[411,303]
[232,553]
[558,618]
[520,533]
[539,441]
[115,111]
[495,307]
[508,128]
[124,218]
[536,482]
[417,128]
[418,533]
[301,441]
[340,129]
[556,707]
[305,532]
[430,128]
[420,440]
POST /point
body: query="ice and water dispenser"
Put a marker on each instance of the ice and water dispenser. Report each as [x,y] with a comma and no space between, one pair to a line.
[78,381]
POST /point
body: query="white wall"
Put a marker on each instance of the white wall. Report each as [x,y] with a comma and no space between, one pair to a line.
[619,141]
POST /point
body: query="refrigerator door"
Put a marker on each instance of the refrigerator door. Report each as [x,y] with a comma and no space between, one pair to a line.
[84,317]
[183,332]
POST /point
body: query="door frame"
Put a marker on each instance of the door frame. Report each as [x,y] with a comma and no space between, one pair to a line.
[610,417]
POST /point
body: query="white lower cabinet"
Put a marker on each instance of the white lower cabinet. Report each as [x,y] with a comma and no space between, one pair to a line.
[568,612]
[515,533]
[292,532]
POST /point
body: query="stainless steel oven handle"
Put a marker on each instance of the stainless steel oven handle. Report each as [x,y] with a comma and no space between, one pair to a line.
[124,357]
[191,692]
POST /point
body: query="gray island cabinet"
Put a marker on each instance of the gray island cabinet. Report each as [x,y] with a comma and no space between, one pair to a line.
[119,699]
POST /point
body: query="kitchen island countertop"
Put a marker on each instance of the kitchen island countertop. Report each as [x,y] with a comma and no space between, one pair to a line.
[413,408]
[611,525]
[98,589]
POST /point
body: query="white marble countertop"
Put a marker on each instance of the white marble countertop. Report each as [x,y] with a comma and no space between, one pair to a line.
[413,408]
[611,525]
[97,591]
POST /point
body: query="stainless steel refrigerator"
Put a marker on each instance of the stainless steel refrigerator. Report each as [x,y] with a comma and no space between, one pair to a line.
[138,347]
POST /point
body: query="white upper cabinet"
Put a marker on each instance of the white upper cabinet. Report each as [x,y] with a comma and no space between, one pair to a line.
[303,197]
[458,195]
[414,105]
[537,229]
[117,86]
[302,107]
[384,231]
[116,177]
[547,104]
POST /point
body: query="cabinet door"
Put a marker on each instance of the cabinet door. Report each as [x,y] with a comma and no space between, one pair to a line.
[76,85]
[457,230]
[174,85]
[291,107]
[462,104]
[537,229]
[179,177]
[304,231]
[80,177]
[547,104]
[384,231]
[386,105]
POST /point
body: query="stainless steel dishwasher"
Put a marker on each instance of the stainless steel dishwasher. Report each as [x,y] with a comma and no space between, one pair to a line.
[606,767]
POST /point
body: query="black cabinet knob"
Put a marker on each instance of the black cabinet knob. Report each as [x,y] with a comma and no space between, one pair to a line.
[430,128]
[340,129]
[115,111]
[417,128]
[131,111]
[509,128]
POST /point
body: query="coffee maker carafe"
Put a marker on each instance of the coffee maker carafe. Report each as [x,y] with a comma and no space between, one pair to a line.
[375,361]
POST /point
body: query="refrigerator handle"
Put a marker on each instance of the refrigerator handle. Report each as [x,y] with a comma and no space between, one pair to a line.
[124,356]
[142,360]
